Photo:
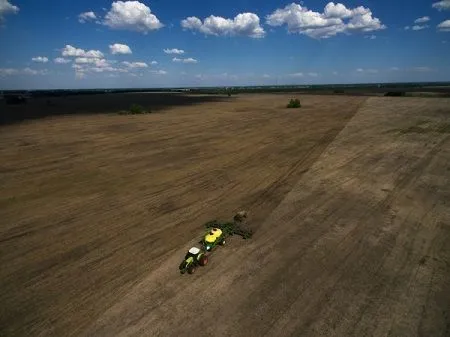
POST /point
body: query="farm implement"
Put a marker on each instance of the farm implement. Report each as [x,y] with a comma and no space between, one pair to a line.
[216,234]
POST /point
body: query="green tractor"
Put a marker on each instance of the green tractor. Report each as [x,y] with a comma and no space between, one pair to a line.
[217,232]
[195,257]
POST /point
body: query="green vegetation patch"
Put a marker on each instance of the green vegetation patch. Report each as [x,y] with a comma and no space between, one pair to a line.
[395,94]
[294,104]
[135,109]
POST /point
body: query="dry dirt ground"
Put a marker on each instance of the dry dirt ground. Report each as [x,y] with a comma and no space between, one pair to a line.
[349,198]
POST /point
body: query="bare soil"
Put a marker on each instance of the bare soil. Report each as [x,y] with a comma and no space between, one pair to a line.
[348,201]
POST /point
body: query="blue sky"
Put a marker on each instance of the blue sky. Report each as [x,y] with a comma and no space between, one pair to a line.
[160,43]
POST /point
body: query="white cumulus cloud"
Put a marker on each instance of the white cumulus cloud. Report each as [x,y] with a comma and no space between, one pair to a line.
[192,23]
[174,51]
[419,24]
[84,66]
[106,69]
[86,16]
[135,64]
[153,63]
[8,71]
[61,60]
[338,10]
[419,27]
[40,59]
[7,8]
[244,24]
[131,15]
[29,71]
[296,75]
[335,19]
[159,72]
[24,71]
[442,5]
[187,60]
[369,71]
[422,69]
[422,19]
[444,26]
[77,52]
[83,60]
[118,48]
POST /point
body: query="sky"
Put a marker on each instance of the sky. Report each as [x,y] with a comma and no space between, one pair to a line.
[63,44]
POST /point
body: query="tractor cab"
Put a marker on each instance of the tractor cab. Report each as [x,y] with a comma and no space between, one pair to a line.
[194,257]
[193,253]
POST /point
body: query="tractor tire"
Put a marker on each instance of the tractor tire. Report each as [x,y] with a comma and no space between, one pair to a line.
[203,261]
[191,270]
[183,271]
[222,243]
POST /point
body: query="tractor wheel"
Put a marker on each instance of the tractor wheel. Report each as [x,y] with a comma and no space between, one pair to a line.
[222,243]
[203,261]
[191,270]
[182,271]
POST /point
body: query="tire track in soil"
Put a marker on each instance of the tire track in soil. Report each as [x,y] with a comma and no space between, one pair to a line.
[357,257]
[317,150]
[328,138]
[401,185]
[304,162]
[332,231]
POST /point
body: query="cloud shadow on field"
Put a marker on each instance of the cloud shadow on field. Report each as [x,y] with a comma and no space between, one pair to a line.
[40,107]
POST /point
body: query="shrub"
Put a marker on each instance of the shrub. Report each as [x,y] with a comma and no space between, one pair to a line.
[294,103]
[135,109]
[395,94]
